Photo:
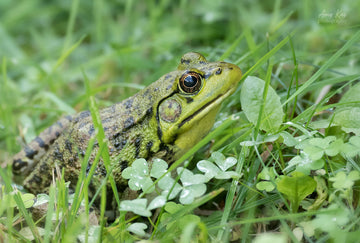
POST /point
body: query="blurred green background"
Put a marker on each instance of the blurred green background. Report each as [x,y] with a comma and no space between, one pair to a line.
[122,46]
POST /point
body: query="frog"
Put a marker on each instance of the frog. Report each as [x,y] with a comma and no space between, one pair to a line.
[163,120]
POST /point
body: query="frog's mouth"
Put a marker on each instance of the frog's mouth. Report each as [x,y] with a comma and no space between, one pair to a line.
[207,107]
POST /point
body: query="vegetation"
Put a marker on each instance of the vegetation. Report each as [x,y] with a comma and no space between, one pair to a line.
[282,162]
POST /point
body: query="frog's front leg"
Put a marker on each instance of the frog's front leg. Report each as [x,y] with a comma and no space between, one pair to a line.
[25,161]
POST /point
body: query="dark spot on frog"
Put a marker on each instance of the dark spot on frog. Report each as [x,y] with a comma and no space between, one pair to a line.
[189,99]
[41,143]
[165,148]
[168,76]
[202,62]
[146,93]
[57,134]
[68,145]
[88,167]
[128,103]
[58,154]
[138,110]
[84,114]
[137,146]
[156,89]
[124,164]
[185,61]
[29,152]
[169,87]
[59,124]
[82,153]
[83,124]
[149,111]
[106,120]
[69,118]
[129,122]
[102,170]
[149,146]
[218,71]
[18,164]
[230,68]
[51,141]
[44,168]
[37,179]
[113,108]
[207,75]
[71,161]
[120,144]
[91,130]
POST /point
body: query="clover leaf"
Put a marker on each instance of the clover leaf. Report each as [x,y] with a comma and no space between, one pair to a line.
[267,175]
[304,163]
[137,228]
[343,181]
[27,198]
[333,220]
[158,168]
[139,177]
[352,148]
[192,185]
[219,171]
[157,202]
[316,147]
[137,206]
[168,185]
[177,223]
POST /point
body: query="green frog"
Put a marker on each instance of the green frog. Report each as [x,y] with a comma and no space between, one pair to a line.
[164,120]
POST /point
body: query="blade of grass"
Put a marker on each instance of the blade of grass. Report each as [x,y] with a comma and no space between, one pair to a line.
[231,193]
[78,195]
[71,23]
[266,88]
[231,48]
[324,67]
[102,141]
[265,57]
[20,205]
[49,214]
[287,216]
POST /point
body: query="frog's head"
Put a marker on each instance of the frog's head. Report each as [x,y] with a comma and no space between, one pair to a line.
[200,87]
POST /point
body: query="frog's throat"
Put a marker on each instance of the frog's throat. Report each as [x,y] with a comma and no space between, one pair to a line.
[207,107]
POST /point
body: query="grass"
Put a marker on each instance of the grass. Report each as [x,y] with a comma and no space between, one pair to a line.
[67,56]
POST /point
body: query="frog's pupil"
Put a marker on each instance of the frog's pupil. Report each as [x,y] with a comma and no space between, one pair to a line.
[190,81]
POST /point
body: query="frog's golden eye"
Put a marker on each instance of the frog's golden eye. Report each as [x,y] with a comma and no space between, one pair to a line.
[190,82]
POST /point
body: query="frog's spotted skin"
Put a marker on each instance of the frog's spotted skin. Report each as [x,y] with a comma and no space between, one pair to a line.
[163,120]
[26,159]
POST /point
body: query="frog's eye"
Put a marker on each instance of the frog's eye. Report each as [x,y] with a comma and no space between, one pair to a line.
[190,82]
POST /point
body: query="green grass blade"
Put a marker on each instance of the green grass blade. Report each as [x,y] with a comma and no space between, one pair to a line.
[324,67]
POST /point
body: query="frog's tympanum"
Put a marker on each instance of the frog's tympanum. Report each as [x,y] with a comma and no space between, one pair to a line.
[163,120]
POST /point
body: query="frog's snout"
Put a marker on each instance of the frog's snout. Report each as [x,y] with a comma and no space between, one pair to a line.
[235,71]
